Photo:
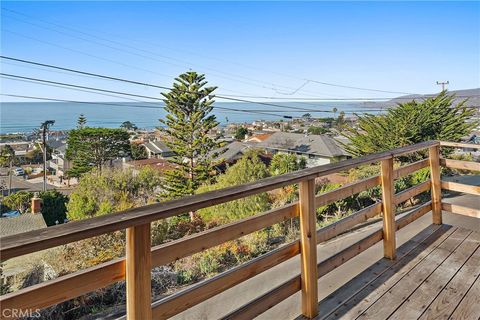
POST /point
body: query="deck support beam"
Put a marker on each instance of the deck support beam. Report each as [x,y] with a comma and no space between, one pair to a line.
[434,158]
[388,201]
[138,272]
[308,240]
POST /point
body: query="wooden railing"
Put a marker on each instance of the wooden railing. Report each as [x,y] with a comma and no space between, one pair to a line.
[136,266]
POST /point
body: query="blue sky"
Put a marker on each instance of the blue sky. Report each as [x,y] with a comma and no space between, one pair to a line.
[250,48]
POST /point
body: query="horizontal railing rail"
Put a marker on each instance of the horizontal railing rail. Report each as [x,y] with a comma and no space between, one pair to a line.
[460,187]
[459,145]
[137,222]
[28,242]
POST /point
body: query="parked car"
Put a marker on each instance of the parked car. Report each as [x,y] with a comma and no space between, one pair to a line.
[18,171]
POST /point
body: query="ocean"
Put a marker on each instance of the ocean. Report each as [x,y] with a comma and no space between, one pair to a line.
[26,116]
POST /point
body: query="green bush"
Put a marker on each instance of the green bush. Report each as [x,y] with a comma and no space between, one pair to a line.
[54,208]
[248,169]
[20,201]
[109,191]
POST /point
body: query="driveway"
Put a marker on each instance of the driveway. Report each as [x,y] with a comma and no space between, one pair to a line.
[19,184]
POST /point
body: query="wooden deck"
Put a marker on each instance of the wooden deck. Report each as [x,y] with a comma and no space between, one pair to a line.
[436,276]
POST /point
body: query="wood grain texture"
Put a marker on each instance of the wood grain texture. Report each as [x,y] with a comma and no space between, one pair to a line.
[266,301]
[412,192]
[308,243]
[462,210]
[335,300]
[198,242]
[413,215]
[448,300]
[434,157]
[469,307]
[28,242]
[343,225]
[200,292]
[65,287]
[346,191]
[459,145]
[399,291]
[373,288]
[388,201]
[427,291]
[138,272]
[460,164]
[410,168]
[348,253]
[460,187]
[352,188]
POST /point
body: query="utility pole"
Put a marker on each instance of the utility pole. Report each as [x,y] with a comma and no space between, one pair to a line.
[443,83]
[44,127]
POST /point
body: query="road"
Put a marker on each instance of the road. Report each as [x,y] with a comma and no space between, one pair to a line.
[19,183]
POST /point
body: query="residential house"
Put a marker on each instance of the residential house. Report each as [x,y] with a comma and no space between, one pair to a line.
[257,138]
[59,164]
[21,149]
[317,149]
[158,149]
[230,153]
[160,165]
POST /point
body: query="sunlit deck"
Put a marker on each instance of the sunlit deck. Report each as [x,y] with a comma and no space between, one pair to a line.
[436,276]
[429,268]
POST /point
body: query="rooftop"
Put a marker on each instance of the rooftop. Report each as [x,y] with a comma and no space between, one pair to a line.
[157,146]
[22,223]
[320,145]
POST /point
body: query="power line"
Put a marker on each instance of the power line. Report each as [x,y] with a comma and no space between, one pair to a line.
[139,83]
[128,65]
[56,83]
[223,96]
[128,46]
[143,106]
[356,88]
[258,111]
[306,80]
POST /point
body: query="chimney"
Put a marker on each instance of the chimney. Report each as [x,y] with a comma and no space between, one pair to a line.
[36,204]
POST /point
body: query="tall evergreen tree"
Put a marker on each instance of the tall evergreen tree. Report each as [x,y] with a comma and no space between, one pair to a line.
[81,122]
[189,105]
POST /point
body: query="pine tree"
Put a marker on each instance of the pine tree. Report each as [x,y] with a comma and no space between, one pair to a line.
[436,118]
[81,122]
[189,105]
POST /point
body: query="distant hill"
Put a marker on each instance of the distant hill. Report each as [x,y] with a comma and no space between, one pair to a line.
[473,96]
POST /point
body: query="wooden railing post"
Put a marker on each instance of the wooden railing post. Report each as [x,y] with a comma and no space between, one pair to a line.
[388,191]
[434,158]
[138,273]
[308,240]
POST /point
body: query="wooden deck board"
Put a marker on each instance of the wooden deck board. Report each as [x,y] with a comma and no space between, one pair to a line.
[446,302]
[436,278]
[427,292]
[469,307]
[410,248]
